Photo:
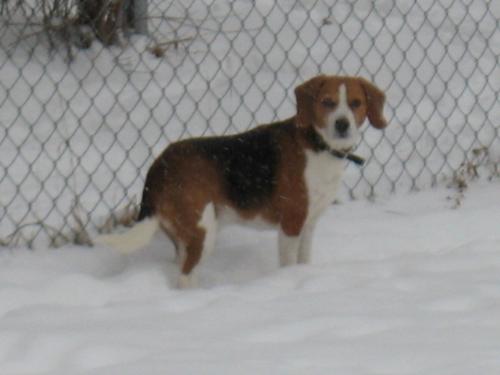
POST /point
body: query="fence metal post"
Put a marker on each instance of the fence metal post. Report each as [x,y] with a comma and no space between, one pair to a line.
[139,10]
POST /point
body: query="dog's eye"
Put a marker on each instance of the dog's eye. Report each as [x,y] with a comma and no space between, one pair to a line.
[328,103]
[355,103]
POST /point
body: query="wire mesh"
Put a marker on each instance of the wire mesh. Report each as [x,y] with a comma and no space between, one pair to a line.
[82,118]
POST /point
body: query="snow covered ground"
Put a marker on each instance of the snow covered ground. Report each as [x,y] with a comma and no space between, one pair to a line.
[405,285]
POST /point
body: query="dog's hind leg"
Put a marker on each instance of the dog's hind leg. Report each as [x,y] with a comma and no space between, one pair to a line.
[201,243]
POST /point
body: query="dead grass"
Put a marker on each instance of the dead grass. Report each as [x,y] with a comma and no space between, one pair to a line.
[158,49]
[480,164]
[124,217]
[66,25]
[77,232]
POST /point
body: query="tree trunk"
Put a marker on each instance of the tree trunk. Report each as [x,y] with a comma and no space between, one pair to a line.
[109,18]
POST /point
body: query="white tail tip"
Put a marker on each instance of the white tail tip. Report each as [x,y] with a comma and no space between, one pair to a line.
[131,240]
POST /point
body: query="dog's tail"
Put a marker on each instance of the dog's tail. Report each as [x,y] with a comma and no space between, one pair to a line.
[131,240]
[140,234]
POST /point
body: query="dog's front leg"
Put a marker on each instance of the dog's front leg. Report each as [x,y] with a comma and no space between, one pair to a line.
[304,253]
[288,249]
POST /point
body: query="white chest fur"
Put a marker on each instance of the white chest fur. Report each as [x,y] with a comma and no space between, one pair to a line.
[323,175]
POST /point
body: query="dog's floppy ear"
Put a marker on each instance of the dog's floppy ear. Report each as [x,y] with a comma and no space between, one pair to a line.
[375,100]
[305,95]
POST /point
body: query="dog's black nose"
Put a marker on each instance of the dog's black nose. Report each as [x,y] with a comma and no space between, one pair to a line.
[341,125]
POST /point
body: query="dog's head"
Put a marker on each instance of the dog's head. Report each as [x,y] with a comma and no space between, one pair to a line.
[338,106]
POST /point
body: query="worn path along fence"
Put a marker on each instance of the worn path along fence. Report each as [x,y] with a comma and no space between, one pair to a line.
[86,102]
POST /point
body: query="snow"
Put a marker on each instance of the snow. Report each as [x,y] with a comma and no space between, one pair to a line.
[403,285]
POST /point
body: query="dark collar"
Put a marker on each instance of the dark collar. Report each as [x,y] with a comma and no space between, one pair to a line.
[319,144]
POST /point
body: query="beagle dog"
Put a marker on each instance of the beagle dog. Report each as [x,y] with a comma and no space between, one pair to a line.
[283,175]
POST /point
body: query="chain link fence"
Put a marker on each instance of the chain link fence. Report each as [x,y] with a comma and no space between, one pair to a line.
[82,117]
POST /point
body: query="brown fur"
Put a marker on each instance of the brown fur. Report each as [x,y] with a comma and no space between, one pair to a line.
[182,183]
[311,93]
